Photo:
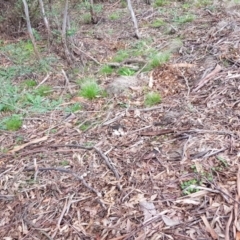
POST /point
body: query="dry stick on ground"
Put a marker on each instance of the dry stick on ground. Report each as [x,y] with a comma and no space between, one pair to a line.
[30,29]
[67,82]
[104,157]
[134,19]
[80,178]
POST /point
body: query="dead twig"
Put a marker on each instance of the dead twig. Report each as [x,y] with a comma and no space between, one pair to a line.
[104,157]
[80,178]
[204,80]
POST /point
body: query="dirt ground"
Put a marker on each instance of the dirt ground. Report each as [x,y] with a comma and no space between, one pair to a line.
[165,172]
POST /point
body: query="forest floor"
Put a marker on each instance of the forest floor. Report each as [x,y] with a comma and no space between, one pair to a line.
[115,167]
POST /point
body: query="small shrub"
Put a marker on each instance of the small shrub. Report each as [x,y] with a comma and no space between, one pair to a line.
[152,98]
[90,89]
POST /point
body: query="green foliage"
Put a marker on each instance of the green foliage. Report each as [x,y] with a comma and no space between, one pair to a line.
[86,18]
[73,108]
[160,3]
[12,123]
[121,55]
[114,16]
[158,59]
[157,23]
[36,35]
[29,83]
[106,69]
[203,3]
[152,98]
[184,19]
[188,186]
[43,90]
[64,163]
[125,71]
[90,89]
[85,126]
[123,4]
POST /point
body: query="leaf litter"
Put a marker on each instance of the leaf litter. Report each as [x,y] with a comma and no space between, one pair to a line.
[124,177]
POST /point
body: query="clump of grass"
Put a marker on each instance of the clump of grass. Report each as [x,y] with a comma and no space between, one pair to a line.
[43,90]
[86,18]
[73,108]
[185,18]
[106,70]
[29,83]
[160,3]
[121,55]
[114,16]
[159,59]
[152,98]
[90,89]
[125,71]
[13,123]
[157,23]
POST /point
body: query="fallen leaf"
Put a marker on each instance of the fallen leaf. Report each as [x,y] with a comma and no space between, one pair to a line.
[170,222]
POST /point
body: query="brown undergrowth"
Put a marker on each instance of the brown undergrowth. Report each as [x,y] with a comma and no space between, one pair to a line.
[165,172]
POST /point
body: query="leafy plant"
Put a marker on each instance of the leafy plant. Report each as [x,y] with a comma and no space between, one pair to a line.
[152,98]
[125,71]
[188,186]
[90,89]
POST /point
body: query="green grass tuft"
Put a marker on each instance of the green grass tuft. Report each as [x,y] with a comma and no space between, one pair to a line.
[43,90]
[159,59]
[157,23]
[152,98]
[90,89]
[13,123]
[106,70]
[125,71]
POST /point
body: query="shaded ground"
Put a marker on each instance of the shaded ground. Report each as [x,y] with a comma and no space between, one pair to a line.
[126,176]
